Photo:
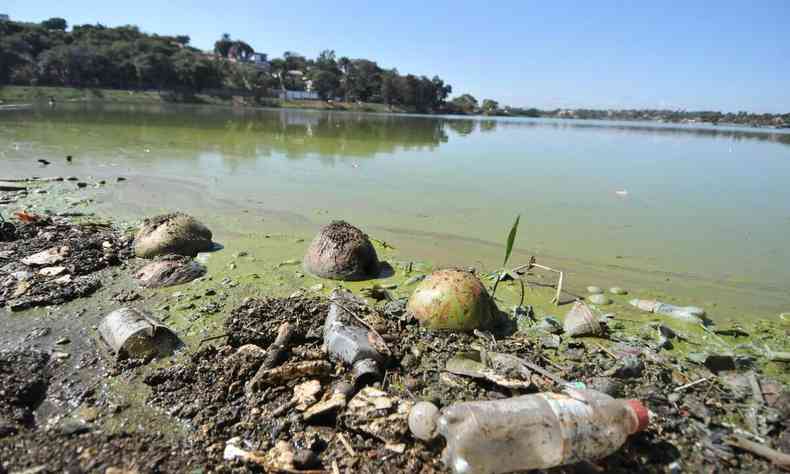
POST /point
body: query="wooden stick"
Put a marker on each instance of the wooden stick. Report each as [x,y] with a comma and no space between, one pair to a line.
[689,385]
[778,458]
[277,348]
[347,445]
[608,352]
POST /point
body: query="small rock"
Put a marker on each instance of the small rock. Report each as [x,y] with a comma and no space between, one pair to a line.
[60,355]
[719,362]
[306,459]
[71,428]
[40,191]
[82,184]
[551,341]
[630,367]
[52,271]
[72,178]
[616,290]
[317,287]
[594,290]
[599,299]
[120,178]
[550,324]
[422,420]
[63,340]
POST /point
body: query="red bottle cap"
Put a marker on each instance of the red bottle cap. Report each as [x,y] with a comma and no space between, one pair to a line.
[642,416]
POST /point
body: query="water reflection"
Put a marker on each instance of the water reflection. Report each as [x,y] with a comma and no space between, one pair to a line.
[297,134]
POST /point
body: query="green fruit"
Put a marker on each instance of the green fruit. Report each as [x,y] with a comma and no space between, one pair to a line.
[451,300]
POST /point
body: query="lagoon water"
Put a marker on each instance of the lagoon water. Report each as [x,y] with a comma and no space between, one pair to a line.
[691,210]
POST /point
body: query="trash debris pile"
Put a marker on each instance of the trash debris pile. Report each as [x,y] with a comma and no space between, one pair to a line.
[52,261]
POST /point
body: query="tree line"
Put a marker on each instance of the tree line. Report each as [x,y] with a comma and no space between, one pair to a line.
[123,57]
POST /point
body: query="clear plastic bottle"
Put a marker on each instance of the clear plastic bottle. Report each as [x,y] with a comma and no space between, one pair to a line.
[691,314]
[536,431]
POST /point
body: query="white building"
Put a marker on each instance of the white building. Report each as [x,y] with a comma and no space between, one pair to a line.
[297,95]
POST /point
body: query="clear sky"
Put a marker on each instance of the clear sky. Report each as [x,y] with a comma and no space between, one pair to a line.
[721,55]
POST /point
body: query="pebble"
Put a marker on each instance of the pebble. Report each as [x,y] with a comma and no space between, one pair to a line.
[82,184]
[63,340]
[72,178]
[120,178]
[599,299]
[306,459]
[317,287]
[594,290]
[60,355]
[40,191]
[422,420]
[616,290]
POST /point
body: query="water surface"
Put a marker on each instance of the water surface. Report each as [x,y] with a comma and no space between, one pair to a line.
[701,206]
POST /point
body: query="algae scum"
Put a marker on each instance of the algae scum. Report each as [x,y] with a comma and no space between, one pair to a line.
[252,388]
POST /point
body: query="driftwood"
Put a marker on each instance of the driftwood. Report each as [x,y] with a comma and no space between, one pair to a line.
[778,458]
[278,347]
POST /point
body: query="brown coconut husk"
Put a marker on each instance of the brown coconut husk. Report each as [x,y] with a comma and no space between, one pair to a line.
[341,251]
[176,233]
[169,271]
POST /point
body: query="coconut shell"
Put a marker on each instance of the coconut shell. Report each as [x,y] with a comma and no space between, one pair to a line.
[452,300]
[177,234]
[169,271]
[341,251]
[580,321]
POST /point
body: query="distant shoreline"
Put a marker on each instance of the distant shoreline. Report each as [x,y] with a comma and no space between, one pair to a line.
[14,95]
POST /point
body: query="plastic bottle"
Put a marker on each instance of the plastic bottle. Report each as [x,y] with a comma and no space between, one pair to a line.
[536,431]
[692,314]
[350,343]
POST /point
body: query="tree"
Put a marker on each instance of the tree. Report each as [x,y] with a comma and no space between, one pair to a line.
[183,40]
[222,46]
[465,103]
[325,83]
[490,106]
[55,24]
[240,50]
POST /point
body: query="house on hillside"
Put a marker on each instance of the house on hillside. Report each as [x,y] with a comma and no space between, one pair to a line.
[261,61]
[4,17]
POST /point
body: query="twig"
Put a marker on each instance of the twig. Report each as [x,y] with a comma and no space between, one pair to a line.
[283,408]
[347,445]
[278,347]
[607,351]
[553,364]
[757,391]
[213,338]
[778,458]
[696,382]
[555,378]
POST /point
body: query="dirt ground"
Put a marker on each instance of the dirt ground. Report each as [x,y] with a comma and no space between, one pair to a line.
[240,402]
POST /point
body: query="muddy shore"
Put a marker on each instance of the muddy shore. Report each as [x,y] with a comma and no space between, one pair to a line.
[70,406]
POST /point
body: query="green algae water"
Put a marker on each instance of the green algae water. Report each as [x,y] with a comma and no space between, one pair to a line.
[698,214]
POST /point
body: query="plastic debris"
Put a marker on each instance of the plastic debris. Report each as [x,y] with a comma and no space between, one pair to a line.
[500,436]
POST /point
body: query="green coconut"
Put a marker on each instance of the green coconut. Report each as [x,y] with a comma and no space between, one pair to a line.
[452,300]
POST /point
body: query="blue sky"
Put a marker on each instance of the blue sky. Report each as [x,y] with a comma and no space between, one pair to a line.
[721,55]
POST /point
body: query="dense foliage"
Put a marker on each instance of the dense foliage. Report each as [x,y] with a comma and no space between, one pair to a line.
[124,57]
